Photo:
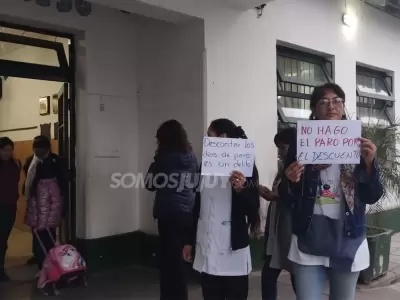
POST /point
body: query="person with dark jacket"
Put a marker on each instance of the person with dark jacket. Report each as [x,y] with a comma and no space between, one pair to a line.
[278,227]
[10,170]
[172,176]
[225,209]
[45,187]
[328,208]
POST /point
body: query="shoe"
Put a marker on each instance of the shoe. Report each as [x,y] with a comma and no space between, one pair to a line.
[49,289]
[4,277]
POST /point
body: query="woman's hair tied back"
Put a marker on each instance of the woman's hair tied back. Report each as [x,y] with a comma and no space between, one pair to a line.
[240,132]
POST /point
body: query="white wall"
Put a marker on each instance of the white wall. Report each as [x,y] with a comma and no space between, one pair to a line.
[170,71]
[240,81]
[19,107]
[239,85]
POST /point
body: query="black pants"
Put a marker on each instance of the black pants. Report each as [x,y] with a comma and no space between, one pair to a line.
[7,220]
[224,287]
[269,280]
[173,285]
[45,237]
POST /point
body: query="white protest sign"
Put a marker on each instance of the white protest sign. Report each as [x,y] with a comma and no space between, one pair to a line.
[328,142]
[221,156]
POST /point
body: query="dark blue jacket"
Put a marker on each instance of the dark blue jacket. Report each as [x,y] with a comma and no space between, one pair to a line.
[173,177]
[301,197]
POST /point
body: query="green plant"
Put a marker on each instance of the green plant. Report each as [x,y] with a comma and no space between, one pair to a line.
[387,140]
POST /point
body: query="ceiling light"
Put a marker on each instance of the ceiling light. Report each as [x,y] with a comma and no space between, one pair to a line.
[349,19]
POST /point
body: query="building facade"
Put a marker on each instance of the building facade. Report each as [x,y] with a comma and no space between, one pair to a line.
[142,62]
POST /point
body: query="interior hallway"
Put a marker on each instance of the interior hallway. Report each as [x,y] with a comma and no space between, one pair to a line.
[19,248]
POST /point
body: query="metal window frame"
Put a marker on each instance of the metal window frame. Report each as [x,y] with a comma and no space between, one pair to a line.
[378,75]
[384,109]
[298,55]
[286,119]
[12,68]
[386,99]
[281,114]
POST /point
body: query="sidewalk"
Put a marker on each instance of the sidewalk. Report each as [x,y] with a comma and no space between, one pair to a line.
[393,275]
[141,283]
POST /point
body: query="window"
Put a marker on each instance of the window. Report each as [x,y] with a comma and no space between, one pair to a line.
[374,97]
[298,74]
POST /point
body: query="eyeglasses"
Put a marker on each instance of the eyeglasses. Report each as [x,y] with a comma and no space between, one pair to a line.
[336,102]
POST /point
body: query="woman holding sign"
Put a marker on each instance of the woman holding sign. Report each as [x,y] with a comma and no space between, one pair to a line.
[329,235]
[225,208]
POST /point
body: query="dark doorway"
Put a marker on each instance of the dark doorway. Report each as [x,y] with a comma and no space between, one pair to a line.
[63,71]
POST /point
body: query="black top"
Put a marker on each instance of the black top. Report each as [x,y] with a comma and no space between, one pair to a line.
[51,167]
[9,179]
[245,213]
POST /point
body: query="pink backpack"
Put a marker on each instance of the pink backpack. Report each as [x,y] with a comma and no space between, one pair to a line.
[63,263]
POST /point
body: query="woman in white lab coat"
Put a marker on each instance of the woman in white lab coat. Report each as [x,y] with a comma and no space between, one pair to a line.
[226,211]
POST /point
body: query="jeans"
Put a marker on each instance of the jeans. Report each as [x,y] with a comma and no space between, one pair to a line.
[310,281]
[269,280]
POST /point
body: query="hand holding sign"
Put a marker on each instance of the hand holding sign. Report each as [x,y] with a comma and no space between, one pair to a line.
[368,151]
[238,180]
[294,171]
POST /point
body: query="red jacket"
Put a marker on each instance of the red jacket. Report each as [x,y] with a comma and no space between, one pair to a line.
[10,172]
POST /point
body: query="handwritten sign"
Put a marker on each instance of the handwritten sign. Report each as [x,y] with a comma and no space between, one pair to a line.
[221,156]
[328,142]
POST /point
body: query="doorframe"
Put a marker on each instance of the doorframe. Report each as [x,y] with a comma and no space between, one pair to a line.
[59,73]
[70,79]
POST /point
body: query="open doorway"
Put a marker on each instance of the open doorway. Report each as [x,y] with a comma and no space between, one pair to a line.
[37,98]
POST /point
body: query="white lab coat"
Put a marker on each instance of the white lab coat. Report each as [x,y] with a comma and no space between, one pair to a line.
[214,255]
